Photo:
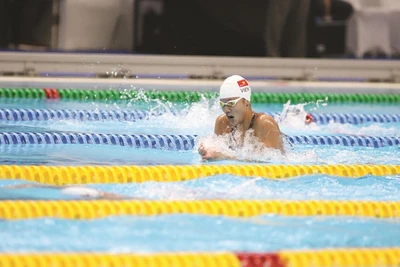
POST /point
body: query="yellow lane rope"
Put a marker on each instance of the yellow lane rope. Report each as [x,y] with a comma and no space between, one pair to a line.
[61,175]
[362,257]
[118,260]
[342,257]
[88,209]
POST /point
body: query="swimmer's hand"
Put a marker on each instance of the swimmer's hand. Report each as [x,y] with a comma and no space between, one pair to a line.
[210,154]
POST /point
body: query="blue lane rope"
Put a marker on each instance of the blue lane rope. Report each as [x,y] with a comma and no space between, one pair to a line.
[133,115]
[170,142]
[354,118]
[62,114]
[174,142]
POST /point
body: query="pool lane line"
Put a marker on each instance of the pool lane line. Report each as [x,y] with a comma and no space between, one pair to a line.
[192,96]
[345,257]
[92,209]
[177,142]
[64,175]
[23,114]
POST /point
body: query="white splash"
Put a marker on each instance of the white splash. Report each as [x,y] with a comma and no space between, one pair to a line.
[196,118]
[254,151]
[292,115]
[370,130]
[292,121]
[80,191]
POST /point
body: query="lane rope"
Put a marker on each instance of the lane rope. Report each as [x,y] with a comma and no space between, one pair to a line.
[21,114]
[91,209]
[63,175]
[119,260]
[345,257]
[177,142]
[191,96]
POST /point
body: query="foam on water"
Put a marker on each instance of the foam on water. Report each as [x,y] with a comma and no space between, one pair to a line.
[292,121]
[253,150]
[310,187]
[369,129]
[194,118]
[198,118]
[236,187]
[117,155]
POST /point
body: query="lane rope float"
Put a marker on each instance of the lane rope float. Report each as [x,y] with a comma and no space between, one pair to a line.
[344,257]
[63,175]
[176,142]
[192,96]
[91,209]
[21,114]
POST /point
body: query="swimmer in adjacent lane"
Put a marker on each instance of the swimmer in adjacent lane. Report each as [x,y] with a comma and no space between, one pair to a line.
[238,119]
[79,191]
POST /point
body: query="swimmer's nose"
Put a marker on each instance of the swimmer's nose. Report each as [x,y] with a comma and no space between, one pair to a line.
[226,109]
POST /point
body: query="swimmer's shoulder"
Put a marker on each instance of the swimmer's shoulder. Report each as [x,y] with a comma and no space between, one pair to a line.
[262,120]
[268,130]
[223,119]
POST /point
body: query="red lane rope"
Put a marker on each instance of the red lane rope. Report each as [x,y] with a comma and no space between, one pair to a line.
[51,93]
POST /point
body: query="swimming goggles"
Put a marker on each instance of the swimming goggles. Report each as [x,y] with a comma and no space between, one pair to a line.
[230,103]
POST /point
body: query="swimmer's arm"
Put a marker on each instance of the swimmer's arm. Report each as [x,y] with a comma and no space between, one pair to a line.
[208,154]
[213,155]
[269,133]
[17,186]
[99,194]
[217,131]
[221,125]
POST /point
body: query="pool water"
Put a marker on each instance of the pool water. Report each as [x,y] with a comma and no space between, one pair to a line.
[312,187]
[188,233]
[175,233]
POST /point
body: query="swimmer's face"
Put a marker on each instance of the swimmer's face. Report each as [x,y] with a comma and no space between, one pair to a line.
[233,108]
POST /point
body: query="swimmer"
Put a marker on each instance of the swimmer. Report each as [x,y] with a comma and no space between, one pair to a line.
[239,118]
[90,193]
[78,191]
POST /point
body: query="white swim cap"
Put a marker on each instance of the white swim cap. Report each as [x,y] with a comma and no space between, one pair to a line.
[235,86]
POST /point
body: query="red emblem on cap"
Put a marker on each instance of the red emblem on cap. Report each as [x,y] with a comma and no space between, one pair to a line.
[242,83]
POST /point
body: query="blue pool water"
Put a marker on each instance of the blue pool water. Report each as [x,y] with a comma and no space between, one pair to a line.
[73,155]
[312,187]
[191,232]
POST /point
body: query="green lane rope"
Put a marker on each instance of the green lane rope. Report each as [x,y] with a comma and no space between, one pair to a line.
[179,96]
[22,93]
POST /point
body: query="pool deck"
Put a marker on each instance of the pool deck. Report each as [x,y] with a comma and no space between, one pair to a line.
[196,73]
[195,84]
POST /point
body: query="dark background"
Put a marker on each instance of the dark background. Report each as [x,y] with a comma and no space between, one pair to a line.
[184,27]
